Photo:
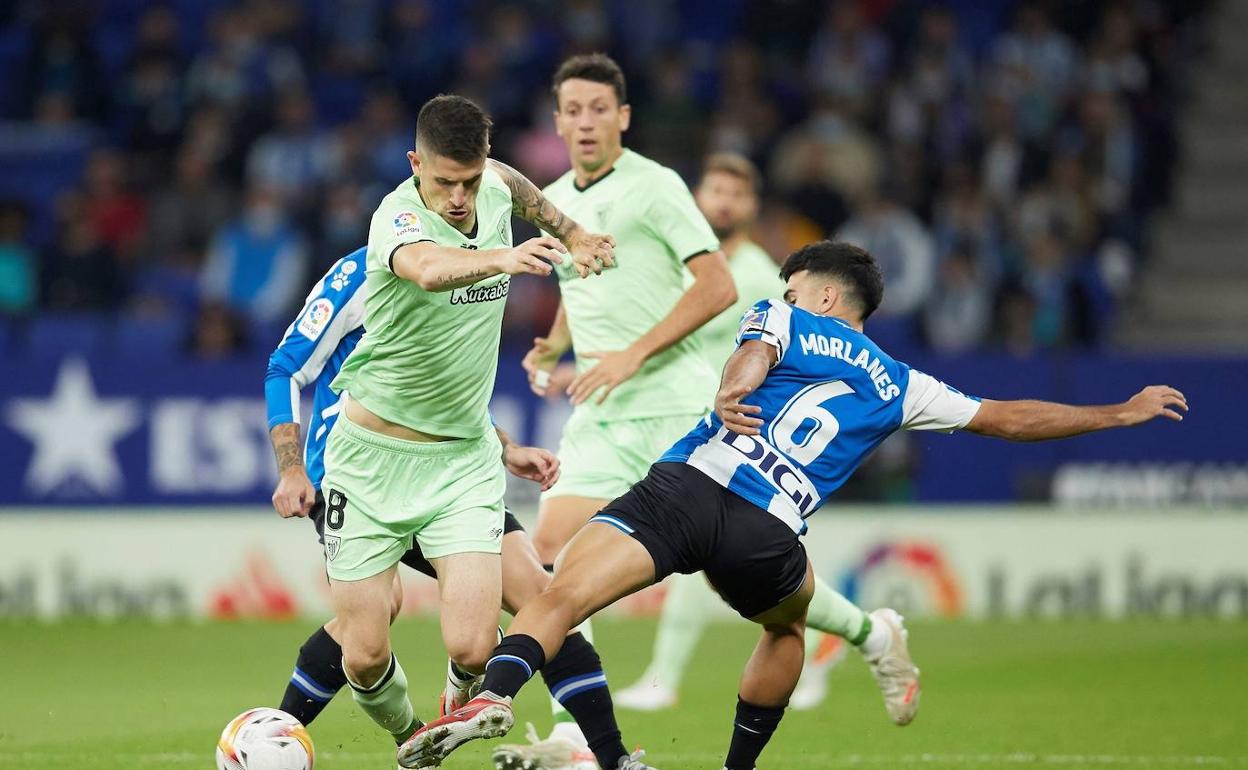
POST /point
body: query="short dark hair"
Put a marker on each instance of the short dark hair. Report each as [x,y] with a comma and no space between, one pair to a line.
[733,164]
[597,67]
[844,262]
[453,127]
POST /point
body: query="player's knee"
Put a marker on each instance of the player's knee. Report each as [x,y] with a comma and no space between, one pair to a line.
[366,660]
[565,600]
[471,651]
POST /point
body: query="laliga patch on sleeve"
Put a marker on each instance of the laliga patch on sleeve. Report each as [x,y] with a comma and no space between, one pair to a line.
[316,319]
[407,223]
[753,321]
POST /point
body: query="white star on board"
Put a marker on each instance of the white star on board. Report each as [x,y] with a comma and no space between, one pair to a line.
[74,432]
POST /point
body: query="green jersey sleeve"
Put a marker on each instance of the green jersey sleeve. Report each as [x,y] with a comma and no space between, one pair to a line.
[397,223]
[675,219]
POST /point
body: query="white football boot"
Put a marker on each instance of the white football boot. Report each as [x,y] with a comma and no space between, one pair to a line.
[554,753]
[894,671]
[645,694]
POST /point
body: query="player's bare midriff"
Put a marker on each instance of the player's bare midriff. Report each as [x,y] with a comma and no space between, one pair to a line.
[363,417]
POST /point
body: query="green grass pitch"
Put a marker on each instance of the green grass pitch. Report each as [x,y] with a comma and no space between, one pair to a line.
[1061,695]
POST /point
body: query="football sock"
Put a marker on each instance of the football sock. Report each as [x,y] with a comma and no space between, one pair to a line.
[316,679]
[576,681]
[686,611]
[752,729]
[513,663]
[386,701]
[832,613]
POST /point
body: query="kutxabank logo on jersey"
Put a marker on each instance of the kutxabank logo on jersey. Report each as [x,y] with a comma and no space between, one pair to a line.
[480,292]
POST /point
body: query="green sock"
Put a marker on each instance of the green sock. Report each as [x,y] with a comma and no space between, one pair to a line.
[386,701]
[556,708]
[686,611]
[834,614]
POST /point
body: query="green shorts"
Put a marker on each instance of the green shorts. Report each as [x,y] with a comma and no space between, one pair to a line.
[380,492]
[603,459]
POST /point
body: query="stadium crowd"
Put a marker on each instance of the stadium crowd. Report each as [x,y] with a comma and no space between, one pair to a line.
[185,169]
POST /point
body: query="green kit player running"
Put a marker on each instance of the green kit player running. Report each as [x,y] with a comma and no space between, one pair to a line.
[727,195]
[642,378]
[414,454]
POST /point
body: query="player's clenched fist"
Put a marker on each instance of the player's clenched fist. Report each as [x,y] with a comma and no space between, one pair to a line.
[591,252]
[536,255]
[736,415]
[294,495]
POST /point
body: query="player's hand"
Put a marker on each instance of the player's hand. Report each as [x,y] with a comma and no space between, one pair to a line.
[612,368]
[736,415]
[591,252]
[538,363]
[535,256]
[532,463]
[1154,401]
[295,494]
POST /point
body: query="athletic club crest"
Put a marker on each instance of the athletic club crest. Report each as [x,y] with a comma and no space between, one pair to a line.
[332,546]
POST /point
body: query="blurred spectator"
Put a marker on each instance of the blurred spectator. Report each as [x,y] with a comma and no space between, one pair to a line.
[63,63]
[115,211]
[343,224]
[1036,66]
[958,315]
[673,126]
[292,159]
[903,248]
[218,332]
[240,69]
[187,211]
[350,35]
[848,60]
[19,288]
[80,271]
[153,95]
[257,263]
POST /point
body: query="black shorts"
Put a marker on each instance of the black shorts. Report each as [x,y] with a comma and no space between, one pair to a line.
[688,522]
[413,558]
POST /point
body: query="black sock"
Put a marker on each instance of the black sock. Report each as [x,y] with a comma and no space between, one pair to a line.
[317,677]
[575,679]
[751,731]
[515,660]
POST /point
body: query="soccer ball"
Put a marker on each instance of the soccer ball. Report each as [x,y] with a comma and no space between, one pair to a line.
[265,739]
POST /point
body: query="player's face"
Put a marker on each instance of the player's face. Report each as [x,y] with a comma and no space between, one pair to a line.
[811,292]
[448,187]
[727,201]
[591,121]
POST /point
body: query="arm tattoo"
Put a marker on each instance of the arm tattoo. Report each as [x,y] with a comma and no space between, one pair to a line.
[286,447]
[528,203]
[473,275]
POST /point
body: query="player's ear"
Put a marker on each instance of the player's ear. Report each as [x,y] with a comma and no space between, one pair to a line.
[626,116]
[413,159]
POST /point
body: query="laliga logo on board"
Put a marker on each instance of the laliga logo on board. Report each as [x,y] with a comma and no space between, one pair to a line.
[910,576]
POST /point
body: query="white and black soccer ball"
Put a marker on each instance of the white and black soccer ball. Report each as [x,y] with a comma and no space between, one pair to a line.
[265,739]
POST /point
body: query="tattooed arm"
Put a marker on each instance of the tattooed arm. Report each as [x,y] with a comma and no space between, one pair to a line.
[443,268]
[590,252]
[294,495]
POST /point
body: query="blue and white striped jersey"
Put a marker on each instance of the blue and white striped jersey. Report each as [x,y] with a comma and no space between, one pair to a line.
[327,329]
[831,398]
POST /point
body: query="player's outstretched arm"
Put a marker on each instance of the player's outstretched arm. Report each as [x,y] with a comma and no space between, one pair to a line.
[746,369]
[294,495]
[590,252]
[711,293]
[1044,420]
[443,268]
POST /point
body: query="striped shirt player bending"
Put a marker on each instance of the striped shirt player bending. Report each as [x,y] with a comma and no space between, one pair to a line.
[803,400]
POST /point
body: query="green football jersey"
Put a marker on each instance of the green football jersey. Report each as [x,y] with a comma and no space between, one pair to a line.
[656,226]
[428,359]
[756,277]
